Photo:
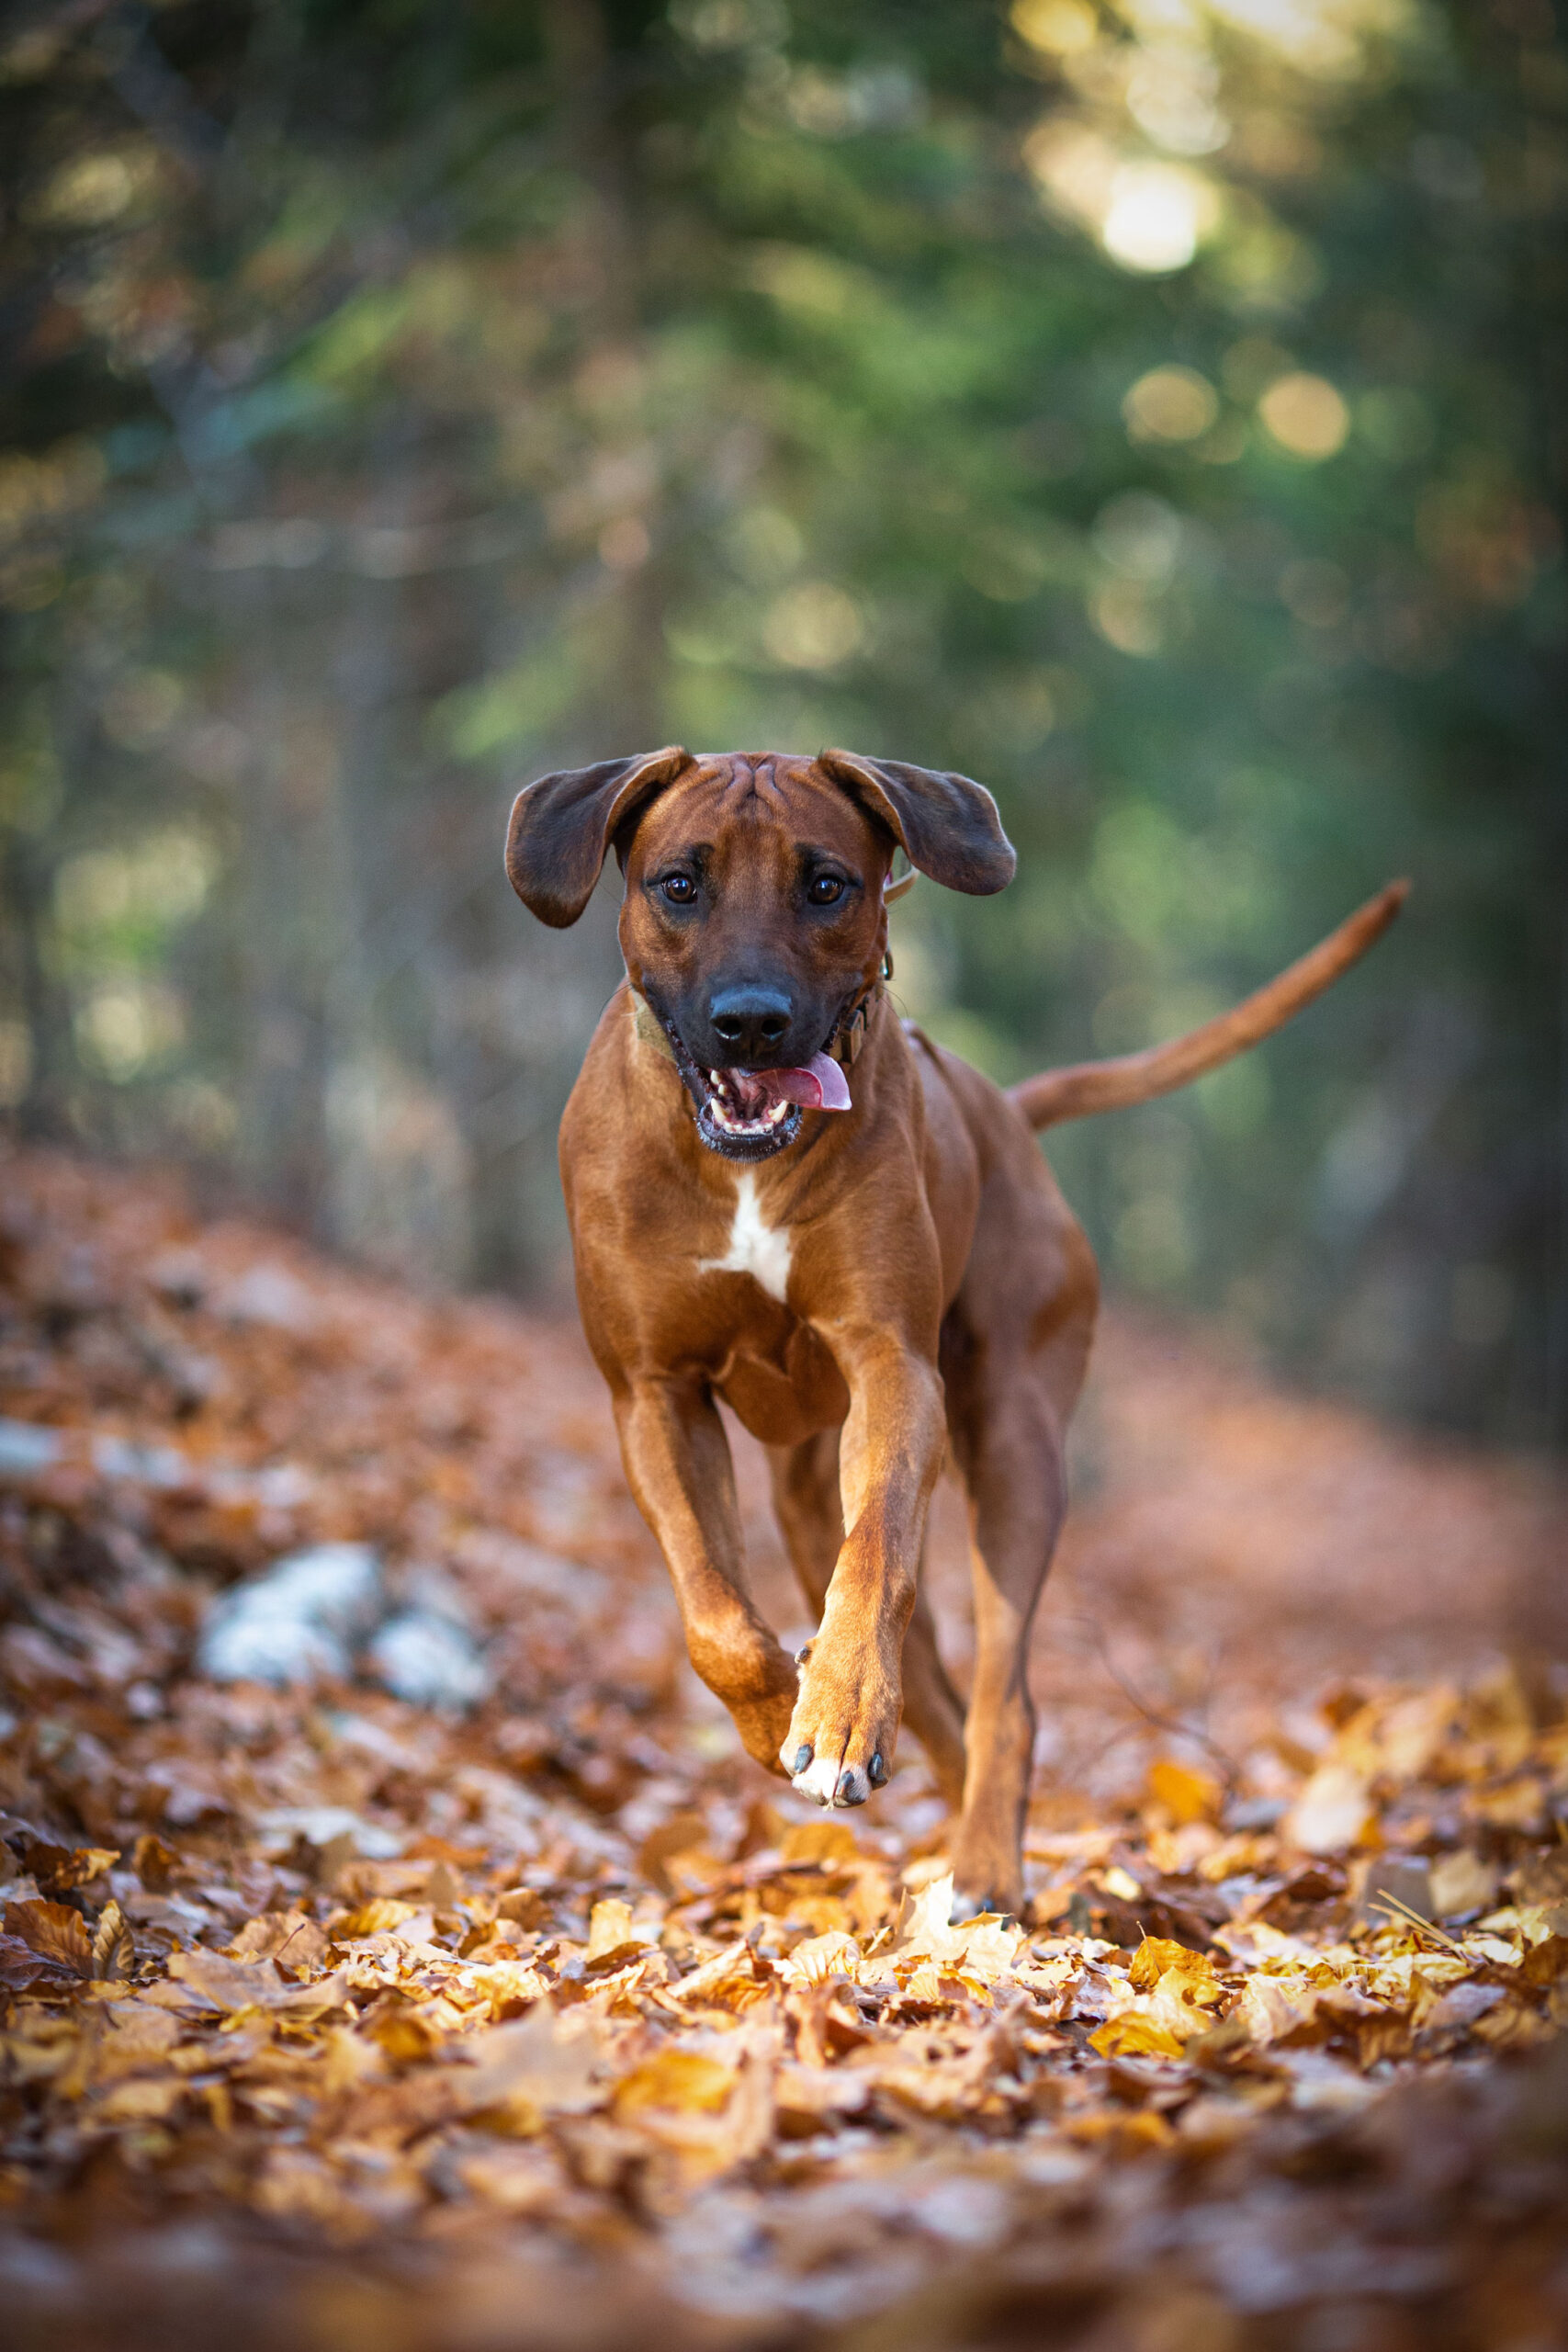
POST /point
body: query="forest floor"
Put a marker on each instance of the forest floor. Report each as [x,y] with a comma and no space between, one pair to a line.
[336,2021]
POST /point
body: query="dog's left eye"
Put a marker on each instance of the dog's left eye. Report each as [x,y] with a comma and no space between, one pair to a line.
[825,890]
[679,889]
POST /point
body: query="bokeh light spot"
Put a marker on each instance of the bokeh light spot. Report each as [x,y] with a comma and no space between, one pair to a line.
[814,626]
[1170,405]
[1305,415]
[1060,27]
[1157,216]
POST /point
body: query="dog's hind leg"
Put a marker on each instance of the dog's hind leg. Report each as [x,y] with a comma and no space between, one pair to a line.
[810,1516]
[1017,1498]
[1013,1356]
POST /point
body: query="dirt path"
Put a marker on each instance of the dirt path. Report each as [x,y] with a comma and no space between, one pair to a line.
[332,2017]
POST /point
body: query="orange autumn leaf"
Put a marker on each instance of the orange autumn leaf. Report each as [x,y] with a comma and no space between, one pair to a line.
[1187,1795]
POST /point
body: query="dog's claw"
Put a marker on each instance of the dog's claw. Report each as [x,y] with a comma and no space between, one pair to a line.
[802,1758]
[876,1771]
[850,1790]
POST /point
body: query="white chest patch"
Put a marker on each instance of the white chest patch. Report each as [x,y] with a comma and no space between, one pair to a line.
[755,1249]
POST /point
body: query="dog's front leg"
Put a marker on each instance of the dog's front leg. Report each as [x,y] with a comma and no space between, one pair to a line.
[678,1467]
[841,1734]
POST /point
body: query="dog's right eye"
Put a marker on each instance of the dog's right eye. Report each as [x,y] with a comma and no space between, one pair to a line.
[679,889]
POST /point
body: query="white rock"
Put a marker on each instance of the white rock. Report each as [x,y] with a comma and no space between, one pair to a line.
[26,1448]
[425,1656]
[299,1622]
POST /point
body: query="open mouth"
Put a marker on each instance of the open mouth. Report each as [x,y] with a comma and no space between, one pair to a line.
[751,1114]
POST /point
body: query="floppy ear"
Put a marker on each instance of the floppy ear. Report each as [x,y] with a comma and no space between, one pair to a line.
[562,826]
[948,827]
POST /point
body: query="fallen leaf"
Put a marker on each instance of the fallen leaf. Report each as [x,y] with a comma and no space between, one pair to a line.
[236,1984]
[21,1966]
[114,1949]
[829,1844]
[54,1931]
[1332,1814]
[1186,1794]
[1462,1883]
[678,2079]
[59,1868]
[1156,1957]
[531,2069]
[1133,2034]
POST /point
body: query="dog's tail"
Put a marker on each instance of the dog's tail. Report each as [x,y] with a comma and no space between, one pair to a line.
[1085,1087]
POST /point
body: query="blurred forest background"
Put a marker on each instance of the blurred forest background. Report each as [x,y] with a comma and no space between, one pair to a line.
[1157,409]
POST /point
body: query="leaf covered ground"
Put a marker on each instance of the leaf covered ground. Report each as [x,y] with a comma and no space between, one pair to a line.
[331,2019]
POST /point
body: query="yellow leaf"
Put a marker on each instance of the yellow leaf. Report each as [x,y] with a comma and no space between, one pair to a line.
[681,2079]
[609,1927]
[1157,1956]
[1135,2035]
[825,1842]
[373,1918]
[1186,1794]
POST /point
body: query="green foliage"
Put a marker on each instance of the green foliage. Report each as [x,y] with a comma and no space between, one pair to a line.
[1152,409]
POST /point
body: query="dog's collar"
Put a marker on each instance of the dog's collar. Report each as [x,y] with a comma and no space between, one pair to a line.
[846,1045]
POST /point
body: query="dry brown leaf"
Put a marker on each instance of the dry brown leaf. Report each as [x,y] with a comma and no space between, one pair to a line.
[236,1984]
[541,2066]
[59,1868]
[1277,2009]
[292,1937]
[154,1861]
[54,1931]
[114,1947]
[807,2097]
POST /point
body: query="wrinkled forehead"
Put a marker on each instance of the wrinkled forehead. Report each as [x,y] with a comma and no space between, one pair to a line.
[772,799]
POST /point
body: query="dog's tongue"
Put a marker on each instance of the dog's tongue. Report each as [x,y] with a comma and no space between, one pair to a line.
[819,1086]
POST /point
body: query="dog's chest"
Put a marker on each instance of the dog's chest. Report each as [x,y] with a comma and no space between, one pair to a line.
[755,1249]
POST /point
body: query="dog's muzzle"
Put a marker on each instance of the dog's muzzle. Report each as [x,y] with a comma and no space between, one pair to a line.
[746,1114]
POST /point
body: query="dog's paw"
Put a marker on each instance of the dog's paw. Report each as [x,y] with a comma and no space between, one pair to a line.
[838,1755]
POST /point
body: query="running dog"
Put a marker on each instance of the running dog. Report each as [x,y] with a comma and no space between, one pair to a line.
[783,1196]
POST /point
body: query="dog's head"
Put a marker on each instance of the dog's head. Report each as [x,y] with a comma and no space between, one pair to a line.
[754,920]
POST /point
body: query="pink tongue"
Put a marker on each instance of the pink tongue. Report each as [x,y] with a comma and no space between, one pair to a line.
[820,1086]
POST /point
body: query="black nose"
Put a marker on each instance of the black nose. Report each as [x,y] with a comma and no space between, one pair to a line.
[750,1021]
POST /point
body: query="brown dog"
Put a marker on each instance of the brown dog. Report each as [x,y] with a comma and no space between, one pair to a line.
[783,1196]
